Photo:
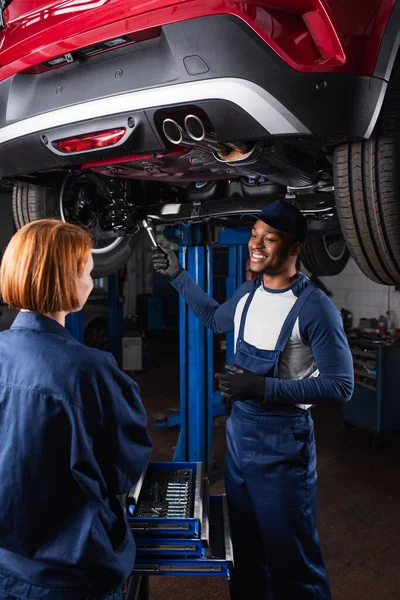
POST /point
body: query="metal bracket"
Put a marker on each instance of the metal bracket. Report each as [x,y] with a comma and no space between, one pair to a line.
[313,205]
[196,209]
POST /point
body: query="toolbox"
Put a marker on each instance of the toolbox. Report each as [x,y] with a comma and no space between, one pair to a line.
[374,405]
[216,560]
[179,529]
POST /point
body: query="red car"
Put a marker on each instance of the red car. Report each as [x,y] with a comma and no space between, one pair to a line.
[193,110]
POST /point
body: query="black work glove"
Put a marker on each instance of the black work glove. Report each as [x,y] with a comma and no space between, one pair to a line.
[241,385]
[166,262]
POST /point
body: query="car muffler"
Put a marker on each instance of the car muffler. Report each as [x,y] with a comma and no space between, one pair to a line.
[275,160]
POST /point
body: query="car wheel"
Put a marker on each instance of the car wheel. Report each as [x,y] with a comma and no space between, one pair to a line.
[32,202]
[325,254]
[367,182]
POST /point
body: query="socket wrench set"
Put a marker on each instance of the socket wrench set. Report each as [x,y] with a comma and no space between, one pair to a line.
[179,529]
[167,500]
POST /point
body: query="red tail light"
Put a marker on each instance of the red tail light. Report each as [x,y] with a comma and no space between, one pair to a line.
[91,141]
[324,37]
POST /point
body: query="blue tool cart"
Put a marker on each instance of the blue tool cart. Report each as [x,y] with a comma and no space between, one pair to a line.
[374,405]
[179,529]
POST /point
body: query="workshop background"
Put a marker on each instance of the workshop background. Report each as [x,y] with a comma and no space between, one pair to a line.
[358,462]
[352,290]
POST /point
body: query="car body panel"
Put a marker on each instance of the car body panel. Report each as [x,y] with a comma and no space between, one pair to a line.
[309,35]
[240,100]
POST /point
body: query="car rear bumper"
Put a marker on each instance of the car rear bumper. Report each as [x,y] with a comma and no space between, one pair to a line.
[216,63]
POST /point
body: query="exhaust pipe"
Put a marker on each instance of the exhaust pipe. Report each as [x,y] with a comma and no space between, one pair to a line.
[196,131]
[176,135]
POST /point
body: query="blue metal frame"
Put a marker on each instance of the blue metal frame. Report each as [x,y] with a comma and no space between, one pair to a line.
[211,408]
[74,324]
[115,316]
[199,404]
[74,321]
[234,237]
[236,240]
[196,405]
[181,451]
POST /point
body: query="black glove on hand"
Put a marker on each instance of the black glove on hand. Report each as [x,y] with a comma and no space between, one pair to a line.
[241,385]
[166,262]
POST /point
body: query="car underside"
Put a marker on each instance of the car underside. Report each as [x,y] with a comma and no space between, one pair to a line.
[205,118]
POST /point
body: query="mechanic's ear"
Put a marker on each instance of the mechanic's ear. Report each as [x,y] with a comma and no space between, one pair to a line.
[296,249]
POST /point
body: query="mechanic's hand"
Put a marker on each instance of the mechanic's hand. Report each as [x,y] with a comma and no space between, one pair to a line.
[166,262]
[241,384]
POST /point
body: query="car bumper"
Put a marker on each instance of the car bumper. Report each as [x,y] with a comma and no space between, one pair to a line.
[216,63]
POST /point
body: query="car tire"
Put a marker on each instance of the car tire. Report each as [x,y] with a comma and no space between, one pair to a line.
[324,254]
[32,202]
[367,183]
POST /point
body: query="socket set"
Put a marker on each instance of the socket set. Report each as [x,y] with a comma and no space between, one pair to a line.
[179,529]
[166,494]
[168,501]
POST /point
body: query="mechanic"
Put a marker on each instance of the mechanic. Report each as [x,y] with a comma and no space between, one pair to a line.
[72,427]
[291,353]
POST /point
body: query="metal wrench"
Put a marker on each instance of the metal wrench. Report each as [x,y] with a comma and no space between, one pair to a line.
[150,233]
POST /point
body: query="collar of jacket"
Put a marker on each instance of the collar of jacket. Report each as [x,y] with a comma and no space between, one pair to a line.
[36,322]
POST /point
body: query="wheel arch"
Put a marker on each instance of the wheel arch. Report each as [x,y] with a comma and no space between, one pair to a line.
[388,53]
[388,56]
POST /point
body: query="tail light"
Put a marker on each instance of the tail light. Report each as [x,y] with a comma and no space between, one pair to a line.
[91,141]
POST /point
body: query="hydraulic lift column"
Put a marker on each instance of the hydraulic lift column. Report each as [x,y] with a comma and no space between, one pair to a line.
[199,404]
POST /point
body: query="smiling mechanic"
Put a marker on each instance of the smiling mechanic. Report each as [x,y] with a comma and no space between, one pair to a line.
[291,353]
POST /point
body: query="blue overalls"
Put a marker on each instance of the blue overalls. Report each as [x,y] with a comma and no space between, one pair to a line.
[271,484]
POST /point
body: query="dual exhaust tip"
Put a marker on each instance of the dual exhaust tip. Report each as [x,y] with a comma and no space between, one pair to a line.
[195,133]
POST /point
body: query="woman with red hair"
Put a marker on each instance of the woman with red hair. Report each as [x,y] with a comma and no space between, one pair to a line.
[72,427]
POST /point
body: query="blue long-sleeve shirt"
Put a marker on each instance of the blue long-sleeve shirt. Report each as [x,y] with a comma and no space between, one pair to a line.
[73,436]
[316,366]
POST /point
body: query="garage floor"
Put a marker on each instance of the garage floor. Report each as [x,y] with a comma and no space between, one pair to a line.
[358,498]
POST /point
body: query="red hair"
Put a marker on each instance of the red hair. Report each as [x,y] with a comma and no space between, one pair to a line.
[41,264]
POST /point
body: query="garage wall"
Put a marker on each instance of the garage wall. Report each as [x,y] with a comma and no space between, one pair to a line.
[361,296]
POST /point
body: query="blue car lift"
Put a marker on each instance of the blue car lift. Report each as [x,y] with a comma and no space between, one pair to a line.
[199,403]
[75,325]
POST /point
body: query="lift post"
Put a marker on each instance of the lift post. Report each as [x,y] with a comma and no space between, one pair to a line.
[199,404]
[74,324]
[75,321]
[236,240]
[115,315]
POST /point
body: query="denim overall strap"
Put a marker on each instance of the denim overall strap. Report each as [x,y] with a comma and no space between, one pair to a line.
[246,307]
[290,321]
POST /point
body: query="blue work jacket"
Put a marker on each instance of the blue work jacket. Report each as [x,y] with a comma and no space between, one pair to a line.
[73,436]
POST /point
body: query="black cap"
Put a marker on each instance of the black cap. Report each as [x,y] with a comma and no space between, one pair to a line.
[285,217]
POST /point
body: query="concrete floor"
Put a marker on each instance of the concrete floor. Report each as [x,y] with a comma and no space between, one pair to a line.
[358,494]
